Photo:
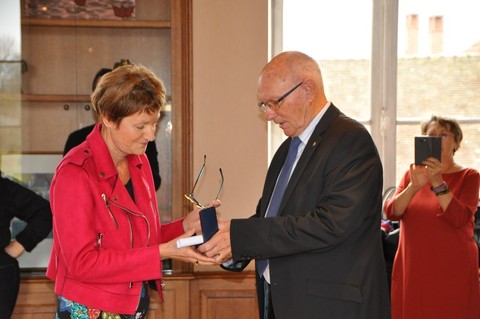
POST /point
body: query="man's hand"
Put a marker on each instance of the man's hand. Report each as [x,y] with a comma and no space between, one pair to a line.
[218,246]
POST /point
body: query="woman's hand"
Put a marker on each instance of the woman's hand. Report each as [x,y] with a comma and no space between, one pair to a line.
[187,254]
[192,220]
[433,171]
[418,176]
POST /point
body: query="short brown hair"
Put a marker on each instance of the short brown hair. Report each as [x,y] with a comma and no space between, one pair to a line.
[128,90]
[449,123]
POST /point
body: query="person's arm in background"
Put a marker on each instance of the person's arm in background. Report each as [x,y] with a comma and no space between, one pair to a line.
[14,249]
[397,205]
[32,209]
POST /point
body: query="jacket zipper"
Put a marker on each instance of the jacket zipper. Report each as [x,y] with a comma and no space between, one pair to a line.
[99,240]
[134,214]
[107,204]
[109,211]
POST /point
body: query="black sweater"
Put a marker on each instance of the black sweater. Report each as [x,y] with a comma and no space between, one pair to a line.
[23,203]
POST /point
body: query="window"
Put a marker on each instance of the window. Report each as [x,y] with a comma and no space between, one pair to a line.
[438,73]
[391,65]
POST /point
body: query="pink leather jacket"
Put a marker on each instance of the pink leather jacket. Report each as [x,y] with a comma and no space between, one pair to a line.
[105,244]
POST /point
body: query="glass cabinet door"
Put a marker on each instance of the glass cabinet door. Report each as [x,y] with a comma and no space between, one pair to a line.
[50,52]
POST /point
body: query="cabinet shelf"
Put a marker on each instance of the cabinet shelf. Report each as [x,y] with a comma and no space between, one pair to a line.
[55,98]
[70,98]
[88,23]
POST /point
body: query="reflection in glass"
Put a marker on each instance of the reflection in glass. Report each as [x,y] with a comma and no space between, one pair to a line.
[10,77]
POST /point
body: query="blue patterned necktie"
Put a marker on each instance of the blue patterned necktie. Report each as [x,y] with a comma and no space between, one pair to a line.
[280,187]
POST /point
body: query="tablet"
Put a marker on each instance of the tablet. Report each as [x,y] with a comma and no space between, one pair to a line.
[427,146]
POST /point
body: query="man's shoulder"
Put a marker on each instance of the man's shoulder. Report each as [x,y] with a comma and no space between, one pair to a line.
[81,134]
[346,123]
[77,137]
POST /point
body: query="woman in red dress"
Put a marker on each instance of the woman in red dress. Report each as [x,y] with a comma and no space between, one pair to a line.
[435,273]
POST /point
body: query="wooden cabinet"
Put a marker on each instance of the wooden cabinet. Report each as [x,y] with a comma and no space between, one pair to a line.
[224,295]
[65,113]
[63,53]
[37,300]
[209,295]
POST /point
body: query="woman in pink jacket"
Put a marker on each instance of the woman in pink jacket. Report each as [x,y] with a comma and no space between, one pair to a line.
[108,241]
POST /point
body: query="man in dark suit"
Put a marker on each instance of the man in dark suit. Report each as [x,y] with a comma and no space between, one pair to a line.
[323,243]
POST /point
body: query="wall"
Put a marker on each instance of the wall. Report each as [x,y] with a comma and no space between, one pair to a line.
[230,47]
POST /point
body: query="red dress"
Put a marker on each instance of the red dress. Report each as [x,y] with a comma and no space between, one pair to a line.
[435,273]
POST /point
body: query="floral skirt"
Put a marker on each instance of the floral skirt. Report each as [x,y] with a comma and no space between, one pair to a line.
[67,309]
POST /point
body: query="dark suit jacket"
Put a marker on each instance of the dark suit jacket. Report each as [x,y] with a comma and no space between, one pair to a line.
[78,136]
[324,246]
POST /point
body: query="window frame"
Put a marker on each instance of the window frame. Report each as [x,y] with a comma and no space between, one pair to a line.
[383,81]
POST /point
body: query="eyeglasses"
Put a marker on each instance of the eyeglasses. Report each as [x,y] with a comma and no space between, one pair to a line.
[192,197]
[274,104]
